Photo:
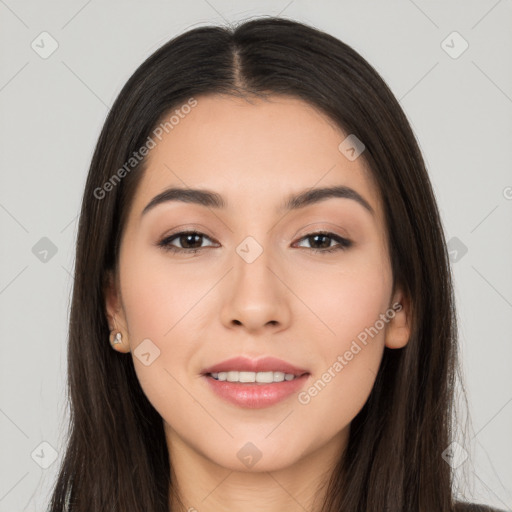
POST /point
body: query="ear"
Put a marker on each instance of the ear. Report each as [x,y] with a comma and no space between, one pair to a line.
[398,330]
[113,306]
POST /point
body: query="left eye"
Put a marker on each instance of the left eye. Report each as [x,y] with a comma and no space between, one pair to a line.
[187,238]
[343,243]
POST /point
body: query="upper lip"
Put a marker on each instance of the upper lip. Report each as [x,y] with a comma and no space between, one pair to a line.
[265,364]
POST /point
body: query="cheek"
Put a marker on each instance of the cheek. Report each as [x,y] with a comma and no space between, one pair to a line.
[349,349]
[157,295]
[345,301]
[161,305]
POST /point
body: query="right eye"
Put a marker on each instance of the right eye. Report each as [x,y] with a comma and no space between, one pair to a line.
[186,238]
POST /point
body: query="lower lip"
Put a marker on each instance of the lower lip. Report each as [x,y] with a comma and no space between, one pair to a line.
[256,396]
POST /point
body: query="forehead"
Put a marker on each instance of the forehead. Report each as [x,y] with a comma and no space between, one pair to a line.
[252,152]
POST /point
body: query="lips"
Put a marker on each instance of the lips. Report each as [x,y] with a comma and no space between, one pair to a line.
[250,394]
[265,364]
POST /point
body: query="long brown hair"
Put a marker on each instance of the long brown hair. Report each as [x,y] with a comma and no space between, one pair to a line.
[116,456]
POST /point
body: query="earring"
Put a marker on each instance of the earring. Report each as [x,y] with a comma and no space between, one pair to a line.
[115,339]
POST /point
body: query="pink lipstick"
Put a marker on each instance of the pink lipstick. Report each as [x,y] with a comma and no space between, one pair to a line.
[253,383]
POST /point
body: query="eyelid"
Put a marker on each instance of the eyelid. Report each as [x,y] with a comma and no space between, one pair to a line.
[322,227]
[187,228]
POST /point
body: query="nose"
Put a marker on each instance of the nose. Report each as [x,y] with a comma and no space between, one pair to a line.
[255,295]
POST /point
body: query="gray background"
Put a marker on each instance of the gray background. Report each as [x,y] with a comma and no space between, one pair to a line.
[52,110]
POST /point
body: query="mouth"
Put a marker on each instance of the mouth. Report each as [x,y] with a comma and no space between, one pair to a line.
[245,377]
[243,369]
[255,384]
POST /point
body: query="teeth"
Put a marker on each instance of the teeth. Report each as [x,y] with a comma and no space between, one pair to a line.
[259,377]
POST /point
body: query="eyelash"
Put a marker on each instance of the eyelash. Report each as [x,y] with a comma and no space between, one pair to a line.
[343,243]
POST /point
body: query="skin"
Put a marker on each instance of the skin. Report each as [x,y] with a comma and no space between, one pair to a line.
[291,303]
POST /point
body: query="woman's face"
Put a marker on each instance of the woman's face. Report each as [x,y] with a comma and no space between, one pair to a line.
[256,288]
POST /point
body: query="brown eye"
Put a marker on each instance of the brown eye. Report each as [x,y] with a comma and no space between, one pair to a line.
[324,239]
[190,242]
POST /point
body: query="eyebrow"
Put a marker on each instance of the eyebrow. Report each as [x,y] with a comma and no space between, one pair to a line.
[212,199]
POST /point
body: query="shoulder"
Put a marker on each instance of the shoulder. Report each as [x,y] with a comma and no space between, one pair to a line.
[473,507]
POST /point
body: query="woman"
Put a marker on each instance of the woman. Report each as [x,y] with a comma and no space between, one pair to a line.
[305,357]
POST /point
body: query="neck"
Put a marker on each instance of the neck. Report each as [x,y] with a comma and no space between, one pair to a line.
[201,485]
